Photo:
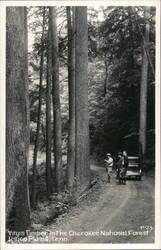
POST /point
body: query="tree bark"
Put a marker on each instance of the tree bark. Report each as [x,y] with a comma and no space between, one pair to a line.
[33,194]
[59,182]
[71,84]
[48,116]
[81,90]
[143,89]
[17,118]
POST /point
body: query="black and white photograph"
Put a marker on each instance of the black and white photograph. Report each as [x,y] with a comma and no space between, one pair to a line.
[80,125]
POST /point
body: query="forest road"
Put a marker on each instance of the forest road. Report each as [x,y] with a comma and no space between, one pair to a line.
[119,214]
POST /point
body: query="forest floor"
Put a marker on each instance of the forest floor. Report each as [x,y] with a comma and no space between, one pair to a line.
[109,213]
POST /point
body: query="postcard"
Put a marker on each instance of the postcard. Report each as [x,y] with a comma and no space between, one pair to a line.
[80,124]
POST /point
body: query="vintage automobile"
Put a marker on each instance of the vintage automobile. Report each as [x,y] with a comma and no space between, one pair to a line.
[134,168]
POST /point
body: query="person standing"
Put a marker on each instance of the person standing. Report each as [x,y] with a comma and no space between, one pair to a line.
[109,166]
[119,167]
[125,164]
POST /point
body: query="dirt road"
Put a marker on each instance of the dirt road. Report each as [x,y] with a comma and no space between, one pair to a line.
[111,213]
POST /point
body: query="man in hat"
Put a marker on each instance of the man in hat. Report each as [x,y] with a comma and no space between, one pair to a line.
[109,165]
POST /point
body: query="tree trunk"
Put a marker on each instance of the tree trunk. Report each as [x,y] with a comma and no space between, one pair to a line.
[17,118]
[38,116]
[143,89]
[59,182]
[48,116]
[146,50]
[106,76]
[71,84]
[81,90]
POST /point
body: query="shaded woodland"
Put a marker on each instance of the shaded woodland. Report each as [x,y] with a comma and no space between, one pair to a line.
[80,82]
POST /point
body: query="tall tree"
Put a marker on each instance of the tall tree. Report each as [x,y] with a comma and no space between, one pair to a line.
[17,118]
[118,114]
[81,90]
[38,114]
[48,115]
[71,83]
[56,102]
[106,76]
[144,87]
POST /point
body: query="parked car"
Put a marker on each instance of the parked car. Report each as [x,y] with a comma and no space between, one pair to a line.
[134,168]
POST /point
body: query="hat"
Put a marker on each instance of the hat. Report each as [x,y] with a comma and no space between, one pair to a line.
[108,154]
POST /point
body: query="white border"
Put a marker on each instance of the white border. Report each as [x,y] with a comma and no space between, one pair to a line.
[3,5]
[82,3]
